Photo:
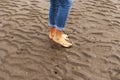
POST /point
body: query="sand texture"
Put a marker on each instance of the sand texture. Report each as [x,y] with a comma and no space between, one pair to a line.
[27,53]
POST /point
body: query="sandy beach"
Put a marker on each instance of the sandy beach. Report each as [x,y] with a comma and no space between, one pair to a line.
[27,53]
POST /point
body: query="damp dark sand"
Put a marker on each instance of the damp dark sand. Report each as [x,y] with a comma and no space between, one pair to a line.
[26,52]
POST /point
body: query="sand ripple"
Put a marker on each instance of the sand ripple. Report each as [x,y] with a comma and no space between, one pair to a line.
[26,52]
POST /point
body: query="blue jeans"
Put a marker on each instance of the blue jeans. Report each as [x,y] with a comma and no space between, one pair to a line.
[59,12]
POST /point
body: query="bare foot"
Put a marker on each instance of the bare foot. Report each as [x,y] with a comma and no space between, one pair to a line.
[60,39]
[53,32]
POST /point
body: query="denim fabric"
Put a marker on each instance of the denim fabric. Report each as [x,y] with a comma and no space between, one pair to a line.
[59,12]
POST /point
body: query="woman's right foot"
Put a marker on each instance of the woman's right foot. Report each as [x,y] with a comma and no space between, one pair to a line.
[52,32]
[58,38]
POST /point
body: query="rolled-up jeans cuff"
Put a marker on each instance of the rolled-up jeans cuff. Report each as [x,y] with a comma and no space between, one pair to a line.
[51,25]
[58,28]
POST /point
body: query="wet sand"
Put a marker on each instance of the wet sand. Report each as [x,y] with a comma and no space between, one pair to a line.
[26,52]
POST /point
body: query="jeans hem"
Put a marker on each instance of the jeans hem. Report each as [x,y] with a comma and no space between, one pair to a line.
[51,25]
[59,28]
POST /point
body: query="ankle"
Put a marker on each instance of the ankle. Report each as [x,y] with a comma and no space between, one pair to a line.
[58,34]
[52,29]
